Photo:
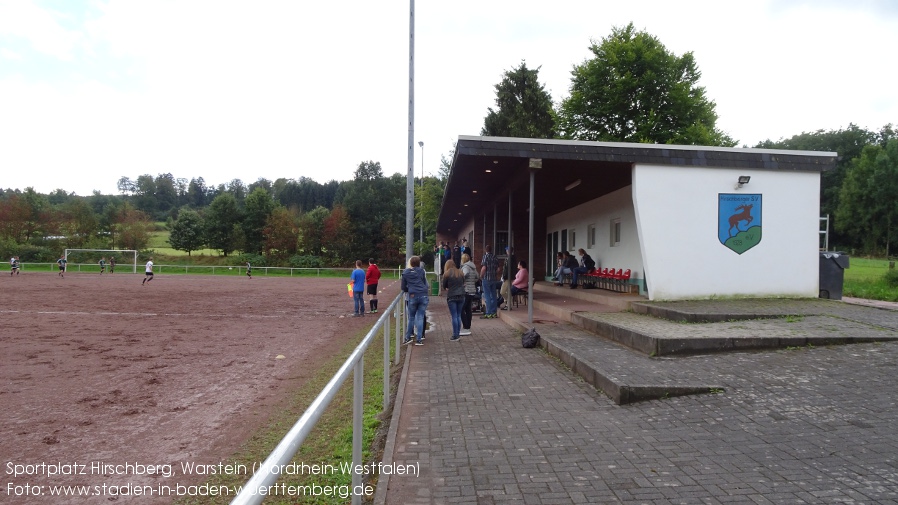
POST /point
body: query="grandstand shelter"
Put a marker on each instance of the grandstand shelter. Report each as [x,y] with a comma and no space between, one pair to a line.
[689,222]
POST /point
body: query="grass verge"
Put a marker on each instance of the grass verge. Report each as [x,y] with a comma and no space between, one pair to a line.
[330,442]
[866,278]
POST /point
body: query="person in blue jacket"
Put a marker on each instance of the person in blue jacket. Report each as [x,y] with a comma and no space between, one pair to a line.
[414,284]
[358,290]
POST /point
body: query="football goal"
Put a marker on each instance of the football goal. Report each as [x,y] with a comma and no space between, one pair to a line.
[122,256]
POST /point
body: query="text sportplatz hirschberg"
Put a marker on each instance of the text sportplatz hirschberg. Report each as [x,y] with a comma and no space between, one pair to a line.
[188,468]
[99,468]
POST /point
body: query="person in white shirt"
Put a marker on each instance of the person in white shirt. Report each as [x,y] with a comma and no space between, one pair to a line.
[149,272]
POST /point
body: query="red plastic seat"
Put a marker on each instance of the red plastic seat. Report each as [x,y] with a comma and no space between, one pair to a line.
[622,279]
[606,277]
[615,278]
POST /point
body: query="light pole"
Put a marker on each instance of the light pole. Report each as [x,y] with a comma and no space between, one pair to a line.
[421,224]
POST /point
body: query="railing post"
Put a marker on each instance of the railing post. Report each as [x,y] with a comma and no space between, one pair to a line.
[398,315]
[357,407]
[387,363]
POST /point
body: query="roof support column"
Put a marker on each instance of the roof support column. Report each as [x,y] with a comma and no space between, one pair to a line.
[510,232]
[535,164]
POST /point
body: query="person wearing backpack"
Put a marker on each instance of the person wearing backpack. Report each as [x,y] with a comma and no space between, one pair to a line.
[586,264]
[414,285]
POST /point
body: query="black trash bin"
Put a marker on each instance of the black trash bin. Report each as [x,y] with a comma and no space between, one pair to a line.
[832,274]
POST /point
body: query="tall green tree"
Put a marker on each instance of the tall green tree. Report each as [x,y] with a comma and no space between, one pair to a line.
[133,227]
[338,231]
[523,107]
[868,206]
[257,207]
[187,232]
[223,218]
[196,193]
[15,214]
[848,143]
[77,222]
[166,193]
[635,90]
[369,201]
[39,215]
[145,194]
[281,234]
[311,231]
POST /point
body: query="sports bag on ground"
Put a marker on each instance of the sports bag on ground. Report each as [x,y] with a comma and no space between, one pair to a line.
[530,338]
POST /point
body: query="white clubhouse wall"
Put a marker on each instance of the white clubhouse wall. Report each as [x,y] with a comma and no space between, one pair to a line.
[676,213]
[601,212]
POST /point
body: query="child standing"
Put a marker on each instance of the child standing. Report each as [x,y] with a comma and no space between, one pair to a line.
[358,289]
[372,276]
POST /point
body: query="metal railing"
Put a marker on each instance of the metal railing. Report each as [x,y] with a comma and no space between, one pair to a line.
[268,474]
[211,269]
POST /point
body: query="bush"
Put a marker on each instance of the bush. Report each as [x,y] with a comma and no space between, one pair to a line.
[891,277]
[27,253]
[306,262]
[255,260]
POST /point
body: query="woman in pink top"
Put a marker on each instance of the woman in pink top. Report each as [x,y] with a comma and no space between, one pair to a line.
[521,279]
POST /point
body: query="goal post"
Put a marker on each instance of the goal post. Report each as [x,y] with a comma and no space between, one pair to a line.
[123,252]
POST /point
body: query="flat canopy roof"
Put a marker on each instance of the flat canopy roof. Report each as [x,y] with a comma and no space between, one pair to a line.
[486,169]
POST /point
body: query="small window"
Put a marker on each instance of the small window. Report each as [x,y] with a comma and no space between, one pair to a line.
[573,239]
[615,232]
[590,236]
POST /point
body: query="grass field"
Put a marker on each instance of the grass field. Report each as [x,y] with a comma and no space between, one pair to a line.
[865,278]
[159,243]
[330,441]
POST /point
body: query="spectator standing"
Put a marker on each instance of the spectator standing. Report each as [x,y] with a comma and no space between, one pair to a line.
[470,271]
[489,271]
[112,264]
[358,289]
[414,284]
[465,249]
[456,254]
[454,284]
[445,255]
[372,277]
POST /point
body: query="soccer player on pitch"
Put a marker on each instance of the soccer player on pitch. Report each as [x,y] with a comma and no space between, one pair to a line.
[61,262]
[149,272]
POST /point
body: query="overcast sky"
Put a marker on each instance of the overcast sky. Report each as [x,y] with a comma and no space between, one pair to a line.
[91,91]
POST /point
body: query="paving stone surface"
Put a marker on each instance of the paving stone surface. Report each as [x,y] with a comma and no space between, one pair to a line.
[490,422]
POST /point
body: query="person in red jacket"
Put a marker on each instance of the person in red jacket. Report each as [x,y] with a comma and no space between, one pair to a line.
[371,278]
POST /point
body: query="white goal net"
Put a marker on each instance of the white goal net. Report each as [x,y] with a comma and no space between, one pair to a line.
[122,256]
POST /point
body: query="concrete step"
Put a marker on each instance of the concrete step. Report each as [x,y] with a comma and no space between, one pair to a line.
[631,356]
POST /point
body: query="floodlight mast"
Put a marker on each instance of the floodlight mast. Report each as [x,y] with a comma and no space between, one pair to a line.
[410,150]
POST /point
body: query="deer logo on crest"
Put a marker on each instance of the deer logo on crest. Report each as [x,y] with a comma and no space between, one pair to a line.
[744,215]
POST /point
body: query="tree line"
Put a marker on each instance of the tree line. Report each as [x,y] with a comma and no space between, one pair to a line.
[300,223]
[632,89]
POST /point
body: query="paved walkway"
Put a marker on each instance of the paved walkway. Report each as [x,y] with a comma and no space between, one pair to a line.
[490,422]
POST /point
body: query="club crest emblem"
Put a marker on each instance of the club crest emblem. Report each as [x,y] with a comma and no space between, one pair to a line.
[739,221]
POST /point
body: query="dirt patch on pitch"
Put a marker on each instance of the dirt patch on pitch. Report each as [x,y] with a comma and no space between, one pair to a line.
[103,372]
